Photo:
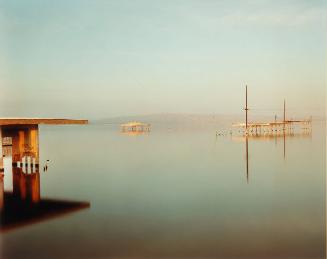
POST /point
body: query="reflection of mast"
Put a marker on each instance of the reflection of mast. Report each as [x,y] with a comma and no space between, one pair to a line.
[246,134]
[284,144]
[247,158]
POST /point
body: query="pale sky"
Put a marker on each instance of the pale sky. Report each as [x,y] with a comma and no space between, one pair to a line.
[96,59]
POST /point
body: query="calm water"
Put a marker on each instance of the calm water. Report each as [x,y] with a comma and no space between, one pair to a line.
[178,194]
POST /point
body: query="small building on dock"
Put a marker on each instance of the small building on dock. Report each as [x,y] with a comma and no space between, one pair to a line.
[135,126]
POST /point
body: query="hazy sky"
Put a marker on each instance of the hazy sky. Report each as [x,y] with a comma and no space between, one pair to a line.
[98,59]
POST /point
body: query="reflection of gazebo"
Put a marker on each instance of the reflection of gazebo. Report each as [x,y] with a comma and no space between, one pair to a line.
[135,127]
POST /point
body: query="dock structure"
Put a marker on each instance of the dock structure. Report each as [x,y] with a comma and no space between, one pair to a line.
[38,121]
[135,127]
[275,128]
[19,139]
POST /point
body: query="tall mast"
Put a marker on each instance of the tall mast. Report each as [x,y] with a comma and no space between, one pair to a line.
[284,133]
[284,112]
[246,108]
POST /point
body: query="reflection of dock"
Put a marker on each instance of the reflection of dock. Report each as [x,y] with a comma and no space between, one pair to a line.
[19,214]
[269,137]
[1,192]
[26,187]
[24,205]
[269,130]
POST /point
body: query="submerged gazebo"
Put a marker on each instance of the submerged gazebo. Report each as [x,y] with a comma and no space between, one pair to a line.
[135,126]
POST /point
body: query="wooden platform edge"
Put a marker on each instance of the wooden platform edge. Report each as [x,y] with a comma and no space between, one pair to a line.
[24,121]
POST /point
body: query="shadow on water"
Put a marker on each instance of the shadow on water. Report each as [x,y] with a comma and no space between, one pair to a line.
[19,214]
[24,206]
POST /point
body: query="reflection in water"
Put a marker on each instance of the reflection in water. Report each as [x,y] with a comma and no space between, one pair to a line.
[300,135]
[45,167]
[17,213]
[1,191]
[182,201]
[247,158]
[263,137]
[24,204]
[134,133]
[26,187]
[284,142]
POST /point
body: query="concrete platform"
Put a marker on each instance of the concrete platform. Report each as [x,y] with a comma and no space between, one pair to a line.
[37,121]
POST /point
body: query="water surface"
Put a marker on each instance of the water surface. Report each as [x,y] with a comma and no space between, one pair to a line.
[178,194]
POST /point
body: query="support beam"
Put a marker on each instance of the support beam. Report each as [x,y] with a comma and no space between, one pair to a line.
[25,141]
[1,152]
[25,149]
[26,187]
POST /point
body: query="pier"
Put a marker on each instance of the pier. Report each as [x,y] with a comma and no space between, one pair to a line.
[275,128]
[19,139]
[267,130]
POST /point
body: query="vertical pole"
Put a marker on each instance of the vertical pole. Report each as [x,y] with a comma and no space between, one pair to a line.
[1,174]
[284,111]
[284,129]
[29,165]
[1,152]
[34,165]
[246,109]
[24,164]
